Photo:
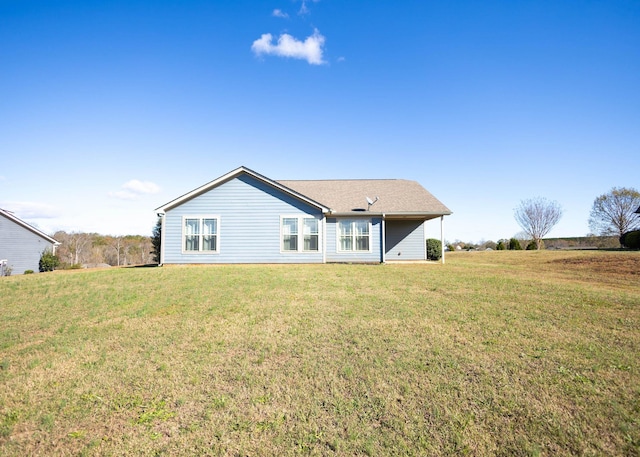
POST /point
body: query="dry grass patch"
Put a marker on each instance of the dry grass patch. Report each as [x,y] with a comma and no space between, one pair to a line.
[490,354]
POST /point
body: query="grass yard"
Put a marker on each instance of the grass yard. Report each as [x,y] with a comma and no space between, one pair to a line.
[496,353]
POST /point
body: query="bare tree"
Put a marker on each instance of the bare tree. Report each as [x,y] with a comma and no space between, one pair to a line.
[117,245]
[613,213]
[537,216]
[75,247]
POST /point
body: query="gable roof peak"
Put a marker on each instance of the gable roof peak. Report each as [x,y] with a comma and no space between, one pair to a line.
[12,217]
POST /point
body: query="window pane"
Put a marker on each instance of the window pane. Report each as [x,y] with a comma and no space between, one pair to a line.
[289,233]
[290,243]
[289,226]
[362,243]
[191,226]
[346,243]
[209,242]
[362,227]
[209,227]
[345,228]
[310,226]
[310,230]
[191,242]
[311,242]
[191,230]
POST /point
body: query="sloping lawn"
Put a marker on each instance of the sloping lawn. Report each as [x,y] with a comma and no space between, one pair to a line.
[498,353]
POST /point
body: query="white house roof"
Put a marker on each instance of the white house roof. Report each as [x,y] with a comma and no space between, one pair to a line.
[9,215]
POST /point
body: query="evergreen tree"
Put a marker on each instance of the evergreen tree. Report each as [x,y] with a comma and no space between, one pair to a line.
[156,240]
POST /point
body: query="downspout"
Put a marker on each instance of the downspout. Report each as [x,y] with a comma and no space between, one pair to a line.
[442,238]
[162,243]
[424,240]
[384,238]
[324,238]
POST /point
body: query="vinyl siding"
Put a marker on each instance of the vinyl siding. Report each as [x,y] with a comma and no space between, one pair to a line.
[249,212]
[375,254]
[405,240]
[20,246]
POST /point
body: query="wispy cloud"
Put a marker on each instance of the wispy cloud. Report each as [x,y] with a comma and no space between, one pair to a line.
[31,210]
[131,190]
[304,9]
[280,13]
[310,49]
[141,187]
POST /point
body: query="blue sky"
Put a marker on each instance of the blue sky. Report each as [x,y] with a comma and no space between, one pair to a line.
[110,109]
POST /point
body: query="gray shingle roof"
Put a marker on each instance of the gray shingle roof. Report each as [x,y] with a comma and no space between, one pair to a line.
[396,196]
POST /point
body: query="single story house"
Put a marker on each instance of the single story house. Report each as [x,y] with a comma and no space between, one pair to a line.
[245,217]
[21,244]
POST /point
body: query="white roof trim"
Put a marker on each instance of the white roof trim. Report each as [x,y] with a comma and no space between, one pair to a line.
[31,228]
[232,174]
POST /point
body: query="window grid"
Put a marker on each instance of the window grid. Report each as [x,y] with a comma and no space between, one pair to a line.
[200,234]
[299,234]
[354,235]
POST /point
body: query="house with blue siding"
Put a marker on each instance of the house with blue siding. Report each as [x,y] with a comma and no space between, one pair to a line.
[21,244]
[245,217]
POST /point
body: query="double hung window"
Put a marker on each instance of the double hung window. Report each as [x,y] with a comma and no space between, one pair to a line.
[354,235]
[200,234]
[300,234]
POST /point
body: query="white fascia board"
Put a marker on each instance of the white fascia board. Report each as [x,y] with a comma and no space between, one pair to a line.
[232,174]
[389,215]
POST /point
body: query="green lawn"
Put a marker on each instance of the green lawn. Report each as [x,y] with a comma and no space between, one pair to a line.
[497,353]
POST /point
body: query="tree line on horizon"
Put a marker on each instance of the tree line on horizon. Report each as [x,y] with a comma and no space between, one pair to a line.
[78,250]
[614,219]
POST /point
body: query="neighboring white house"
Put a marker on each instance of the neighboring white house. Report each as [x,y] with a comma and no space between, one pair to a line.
[21,244]
[245,217]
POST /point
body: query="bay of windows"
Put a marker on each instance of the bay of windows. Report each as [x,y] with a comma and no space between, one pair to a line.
[200,234]
[300,234]
[354,235]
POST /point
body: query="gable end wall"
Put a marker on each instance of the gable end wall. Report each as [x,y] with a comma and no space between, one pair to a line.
[20,246]
[249,224]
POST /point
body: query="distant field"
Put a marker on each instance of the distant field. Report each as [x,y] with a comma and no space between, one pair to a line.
[493,353]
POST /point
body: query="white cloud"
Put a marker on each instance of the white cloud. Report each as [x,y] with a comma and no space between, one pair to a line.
[304,9]
[280,13]
[287,46]
[31,210]
[133,189]
[141,187]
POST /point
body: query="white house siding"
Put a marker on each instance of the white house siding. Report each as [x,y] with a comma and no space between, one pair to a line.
[375,253]
[249,212]
[20,246]
[405,240]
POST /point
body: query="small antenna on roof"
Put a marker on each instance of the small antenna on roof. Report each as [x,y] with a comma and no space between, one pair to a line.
[371,202]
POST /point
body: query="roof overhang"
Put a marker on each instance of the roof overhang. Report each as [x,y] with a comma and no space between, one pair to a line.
[234,174]
[407,215]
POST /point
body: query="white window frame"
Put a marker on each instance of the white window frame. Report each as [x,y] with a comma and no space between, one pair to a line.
[300,242]
[201,235]
[353,235]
